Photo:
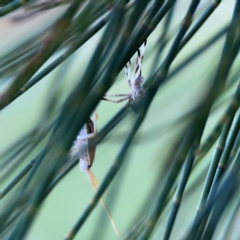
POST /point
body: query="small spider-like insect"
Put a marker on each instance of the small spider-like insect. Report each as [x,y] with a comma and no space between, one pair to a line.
[137,92]
[84,148]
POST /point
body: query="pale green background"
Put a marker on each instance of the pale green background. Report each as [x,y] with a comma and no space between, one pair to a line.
[67,201]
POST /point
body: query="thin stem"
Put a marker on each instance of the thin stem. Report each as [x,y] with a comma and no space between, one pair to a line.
[162,40]
[211,173]
[200,22]
[50,45]
[224,67]
[232,184]
[227,150]
[226,189]
[12,6]
[16,179]
[180,190]
[230,111]
[229,222]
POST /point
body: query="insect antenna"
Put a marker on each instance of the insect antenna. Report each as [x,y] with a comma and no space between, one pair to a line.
[93,180]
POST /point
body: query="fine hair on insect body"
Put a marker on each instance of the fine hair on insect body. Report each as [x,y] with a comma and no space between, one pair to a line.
[137,92]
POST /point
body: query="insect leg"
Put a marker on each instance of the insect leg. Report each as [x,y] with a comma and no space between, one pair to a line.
[136,66]
[140,57]
[128,72]
[117,101]
[116,95]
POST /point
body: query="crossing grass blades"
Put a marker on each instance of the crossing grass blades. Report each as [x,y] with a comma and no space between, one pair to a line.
[199,145]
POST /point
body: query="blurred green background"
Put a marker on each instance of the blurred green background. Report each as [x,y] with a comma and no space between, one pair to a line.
[151,145]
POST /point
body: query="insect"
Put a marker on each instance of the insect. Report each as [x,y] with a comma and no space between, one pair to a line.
[84,148]
[137,92]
